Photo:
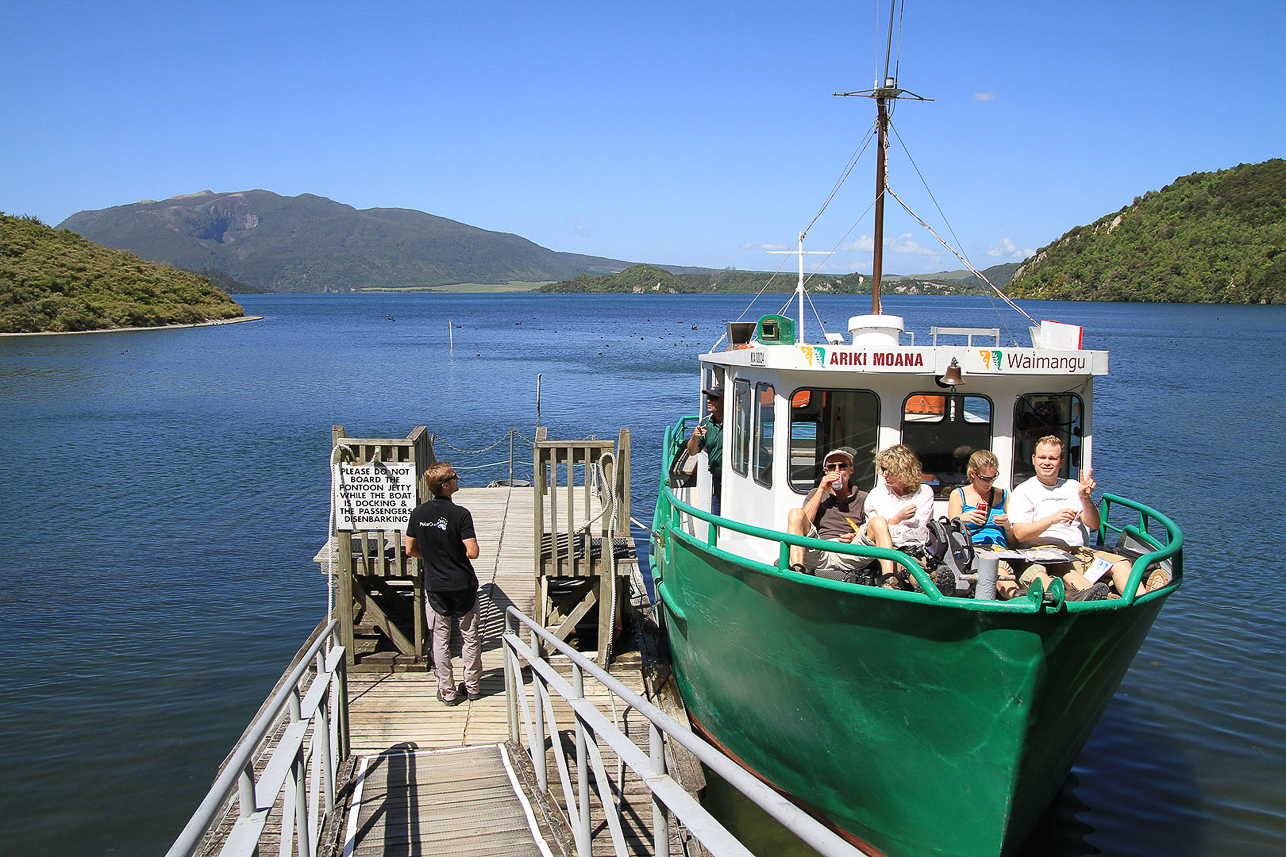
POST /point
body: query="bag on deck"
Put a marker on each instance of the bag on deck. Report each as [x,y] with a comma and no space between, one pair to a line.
[949,549]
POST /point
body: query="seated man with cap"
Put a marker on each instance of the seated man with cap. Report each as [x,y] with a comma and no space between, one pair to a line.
[833,512]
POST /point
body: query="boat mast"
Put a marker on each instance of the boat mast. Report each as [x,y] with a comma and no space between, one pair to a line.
[882,94]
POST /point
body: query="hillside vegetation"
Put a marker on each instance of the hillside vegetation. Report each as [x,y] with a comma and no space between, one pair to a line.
[1207,238]
[54,280]
[308,243]
[649,279]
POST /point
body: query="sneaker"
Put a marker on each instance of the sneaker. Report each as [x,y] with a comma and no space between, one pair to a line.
[473,695]
[455,700]
[944,579]
[1097,592]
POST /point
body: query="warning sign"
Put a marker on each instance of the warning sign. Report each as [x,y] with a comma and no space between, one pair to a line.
[375,496]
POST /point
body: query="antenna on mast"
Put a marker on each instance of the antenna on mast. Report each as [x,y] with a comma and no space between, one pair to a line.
[799,289]
[882,94]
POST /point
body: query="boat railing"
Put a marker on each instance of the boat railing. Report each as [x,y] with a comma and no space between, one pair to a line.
[1167,551]
[669,509]
[306,726]
[536,716]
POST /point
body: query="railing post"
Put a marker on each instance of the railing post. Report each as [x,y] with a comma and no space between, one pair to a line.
[513,680]
[660,823]
[246,791]
[303,839]
[321,733]
[538,688]
[583,842]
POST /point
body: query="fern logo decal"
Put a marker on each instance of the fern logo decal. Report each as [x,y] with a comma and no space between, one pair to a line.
[814,355]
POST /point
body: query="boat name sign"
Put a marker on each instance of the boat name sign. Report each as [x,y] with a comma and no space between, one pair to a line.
[929,360]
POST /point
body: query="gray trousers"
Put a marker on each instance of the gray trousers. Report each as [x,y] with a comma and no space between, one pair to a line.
[470,651]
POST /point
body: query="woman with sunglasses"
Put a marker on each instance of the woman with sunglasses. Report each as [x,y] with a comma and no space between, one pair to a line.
[980,506]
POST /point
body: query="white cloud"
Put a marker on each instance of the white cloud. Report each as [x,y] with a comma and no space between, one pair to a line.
[864,244]
[1006,249]
[750,245]
[905,244]
[580,229]
[984,96]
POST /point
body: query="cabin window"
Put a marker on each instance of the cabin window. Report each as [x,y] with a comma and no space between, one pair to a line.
[820,421]
[944,429]
[741,426]
[764,399]
[1039,414]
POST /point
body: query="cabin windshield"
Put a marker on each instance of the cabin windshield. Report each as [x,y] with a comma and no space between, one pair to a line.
[944,429]
[820,421]
[1039,414]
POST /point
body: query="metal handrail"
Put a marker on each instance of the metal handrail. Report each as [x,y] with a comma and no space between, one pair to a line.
[668,796]
[285,778]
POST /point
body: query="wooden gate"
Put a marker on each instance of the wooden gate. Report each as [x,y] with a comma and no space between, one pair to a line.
[380,587]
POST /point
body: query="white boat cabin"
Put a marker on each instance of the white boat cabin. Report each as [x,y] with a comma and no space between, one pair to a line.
[786,404]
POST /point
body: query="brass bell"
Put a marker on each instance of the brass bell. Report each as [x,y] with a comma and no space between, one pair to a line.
[952,377]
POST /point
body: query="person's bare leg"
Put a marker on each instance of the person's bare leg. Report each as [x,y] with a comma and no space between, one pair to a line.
[877,529]
[795,526]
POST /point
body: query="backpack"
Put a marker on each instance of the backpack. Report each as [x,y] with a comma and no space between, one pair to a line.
[950,549]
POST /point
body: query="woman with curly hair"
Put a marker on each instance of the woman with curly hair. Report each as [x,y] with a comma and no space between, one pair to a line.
[901,500]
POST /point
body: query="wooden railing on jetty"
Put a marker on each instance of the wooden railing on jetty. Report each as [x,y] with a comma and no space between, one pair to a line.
[582,548]
[375,579]
[585,549]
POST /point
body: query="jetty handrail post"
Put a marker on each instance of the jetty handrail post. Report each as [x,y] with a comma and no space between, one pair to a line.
[537,688]
[513,685]
[321,733]
[660,822]
[583,835]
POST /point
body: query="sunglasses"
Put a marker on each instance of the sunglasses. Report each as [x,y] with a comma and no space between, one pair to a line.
[991,478]
[837,466]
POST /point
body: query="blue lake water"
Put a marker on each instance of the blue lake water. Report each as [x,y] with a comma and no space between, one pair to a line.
[165,492]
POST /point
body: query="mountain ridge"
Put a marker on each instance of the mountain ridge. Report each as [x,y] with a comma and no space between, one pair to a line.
[312,243]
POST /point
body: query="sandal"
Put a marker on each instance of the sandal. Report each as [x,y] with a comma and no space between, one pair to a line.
[1158,578]
[891,581]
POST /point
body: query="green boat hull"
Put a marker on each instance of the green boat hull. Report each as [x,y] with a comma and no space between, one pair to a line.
[915,727]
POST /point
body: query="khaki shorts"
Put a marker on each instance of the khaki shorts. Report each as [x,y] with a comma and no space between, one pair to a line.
[1082,559]
[815,560]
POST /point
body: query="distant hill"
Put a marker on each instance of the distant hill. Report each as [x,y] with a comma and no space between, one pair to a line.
[1207,238]
[309,243]
[644,279]
[54,280]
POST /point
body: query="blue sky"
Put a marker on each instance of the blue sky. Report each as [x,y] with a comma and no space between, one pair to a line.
[678,133]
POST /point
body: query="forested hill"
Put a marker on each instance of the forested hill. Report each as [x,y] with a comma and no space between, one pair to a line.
[54,280]
[309,243]
[1207,238]
[649,279]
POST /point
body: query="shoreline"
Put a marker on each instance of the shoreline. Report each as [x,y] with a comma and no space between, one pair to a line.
[134,329]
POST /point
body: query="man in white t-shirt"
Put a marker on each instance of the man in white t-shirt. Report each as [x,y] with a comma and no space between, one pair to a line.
[1050,510]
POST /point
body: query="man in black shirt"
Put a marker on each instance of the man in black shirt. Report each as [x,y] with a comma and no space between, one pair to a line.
[441,534]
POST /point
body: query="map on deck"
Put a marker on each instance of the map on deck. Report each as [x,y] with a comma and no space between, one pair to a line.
[374,496]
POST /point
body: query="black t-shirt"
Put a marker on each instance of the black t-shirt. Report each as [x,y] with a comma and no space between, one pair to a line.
[440,528]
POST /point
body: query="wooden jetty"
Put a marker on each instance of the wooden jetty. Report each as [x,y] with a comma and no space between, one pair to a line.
[353,754]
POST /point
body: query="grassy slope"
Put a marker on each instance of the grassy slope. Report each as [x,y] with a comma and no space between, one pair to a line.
[54,280]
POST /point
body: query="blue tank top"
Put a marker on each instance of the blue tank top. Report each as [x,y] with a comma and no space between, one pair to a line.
[989,533]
